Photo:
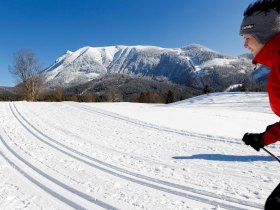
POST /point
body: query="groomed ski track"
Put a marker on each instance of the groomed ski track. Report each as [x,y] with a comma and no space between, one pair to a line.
[184,191]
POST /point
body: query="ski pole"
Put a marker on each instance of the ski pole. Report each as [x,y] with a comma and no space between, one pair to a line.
[275,157]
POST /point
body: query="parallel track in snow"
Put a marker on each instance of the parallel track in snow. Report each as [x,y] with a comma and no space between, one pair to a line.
[39,184]
[45,180]
[172,188]
[153,126]
[53,180]
[101,112]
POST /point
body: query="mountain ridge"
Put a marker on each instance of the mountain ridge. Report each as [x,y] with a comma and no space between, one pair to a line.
[193,65]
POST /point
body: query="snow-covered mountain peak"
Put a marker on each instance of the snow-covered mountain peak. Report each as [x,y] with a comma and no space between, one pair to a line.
[68,52]
[63,56]
[185,65]
[147,47]
[197,47]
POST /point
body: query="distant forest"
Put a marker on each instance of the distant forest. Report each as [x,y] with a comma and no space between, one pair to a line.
[122,88]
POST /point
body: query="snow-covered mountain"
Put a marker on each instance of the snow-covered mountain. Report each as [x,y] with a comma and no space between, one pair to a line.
[193,65]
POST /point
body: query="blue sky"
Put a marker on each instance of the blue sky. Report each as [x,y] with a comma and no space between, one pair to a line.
[51,27]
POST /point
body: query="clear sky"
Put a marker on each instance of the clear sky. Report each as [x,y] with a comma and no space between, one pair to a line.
[51,27]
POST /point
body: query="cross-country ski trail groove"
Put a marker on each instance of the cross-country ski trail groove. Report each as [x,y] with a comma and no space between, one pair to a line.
[135,123]
[209,196]
[46,181]
[150,125]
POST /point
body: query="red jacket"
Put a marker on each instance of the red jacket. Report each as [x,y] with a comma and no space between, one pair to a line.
[270,56]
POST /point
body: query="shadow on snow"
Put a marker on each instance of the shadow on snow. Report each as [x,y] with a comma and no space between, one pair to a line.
[221,157]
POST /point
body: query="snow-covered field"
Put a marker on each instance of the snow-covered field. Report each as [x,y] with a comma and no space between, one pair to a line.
[185,155]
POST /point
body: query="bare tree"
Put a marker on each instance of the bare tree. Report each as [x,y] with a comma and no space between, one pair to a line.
[58,92]
[27,71]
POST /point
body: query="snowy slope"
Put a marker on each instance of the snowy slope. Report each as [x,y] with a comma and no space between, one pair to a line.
[186,155]
[80,66]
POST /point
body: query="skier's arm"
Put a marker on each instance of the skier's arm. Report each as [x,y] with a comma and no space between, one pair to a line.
[272,134]
[259,140]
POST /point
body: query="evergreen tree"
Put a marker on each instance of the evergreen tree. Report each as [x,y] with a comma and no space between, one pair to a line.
[206,89]
[170,97]
[142,98]
[243,88]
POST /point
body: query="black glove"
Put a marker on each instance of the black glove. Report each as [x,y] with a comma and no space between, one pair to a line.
[269,127]
[255,140]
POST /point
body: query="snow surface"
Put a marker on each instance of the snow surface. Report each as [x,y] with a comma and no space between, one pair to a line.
[233,87]
[218,62]
[185,155]
[198,47]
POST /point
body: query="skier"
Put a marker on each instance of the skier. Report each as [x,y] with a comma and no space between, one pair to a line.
[260,29]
